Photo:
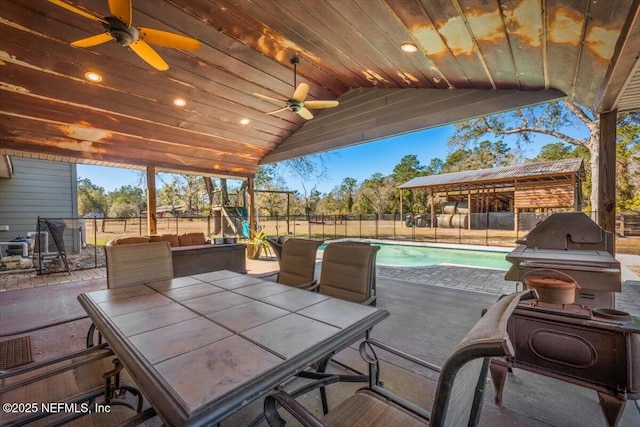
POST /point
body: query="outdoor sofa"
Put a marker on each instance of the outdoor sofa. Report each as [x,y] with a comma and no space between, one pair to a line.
[193,253]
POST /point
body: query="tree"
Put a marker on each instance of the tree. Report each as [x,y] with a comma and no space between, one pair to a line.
[376,195]
[628,163]
[126,201]
[268,184]
[409,168]
[435,167]
[484,155]
[169,195]
[310,202]
[564,120]
[91,198]
[345,195]
[555,151]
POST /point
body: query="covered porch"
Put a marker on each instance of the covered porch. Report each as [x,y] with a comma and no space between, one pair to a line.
[468,60]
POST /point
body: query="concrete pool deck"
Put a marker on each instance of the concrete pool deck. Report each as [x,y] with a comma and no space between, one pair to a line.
[442,302]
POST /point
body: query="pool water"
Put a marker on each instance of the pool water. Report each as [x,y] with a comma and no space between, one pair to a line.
[418,256]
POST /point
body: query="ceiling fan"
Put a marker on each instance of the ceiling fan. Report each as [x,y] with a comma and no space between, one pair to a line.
[118,27]
[297,103]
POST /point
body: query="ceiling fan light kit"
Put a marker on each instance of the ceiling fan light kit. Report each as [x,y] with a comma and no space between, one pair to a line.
[297,104]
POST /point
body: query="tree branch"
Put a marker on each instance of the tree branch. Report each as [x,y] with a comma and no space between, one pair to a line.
[559,135]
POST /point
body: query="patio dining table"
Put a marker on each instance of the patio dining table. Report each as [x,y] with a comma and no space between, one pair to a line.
[202,347]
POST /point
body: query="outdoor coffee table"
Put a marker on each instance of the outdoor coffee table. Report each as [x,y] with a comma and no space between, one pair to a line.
[202,347]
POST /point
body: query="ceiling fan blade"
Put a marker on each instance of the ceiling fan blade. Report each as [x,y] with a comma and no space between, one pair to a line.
[93,40]
[278,110]
[167,39]
[305,114]
[147,53]
[76,10]
[316,105]
[268,98]
[301,92]
[121,9]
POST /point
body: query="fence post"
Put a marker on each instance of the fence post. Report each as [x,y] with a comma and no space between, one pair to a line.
[95,241]
[486,232]
[394,227]
[435,234]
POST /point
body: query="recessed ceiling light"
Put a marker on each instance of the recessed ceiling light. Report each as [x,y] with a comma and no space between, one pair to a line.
[245,121]
[409,47]
[92,76]
[179,102]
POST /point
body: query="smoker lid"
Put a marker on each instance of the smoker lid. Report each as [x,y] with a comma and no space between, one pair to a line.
[569,230]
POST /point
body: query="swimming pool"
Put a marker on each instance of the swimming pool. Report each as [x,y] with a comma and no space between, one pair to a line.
[399,255]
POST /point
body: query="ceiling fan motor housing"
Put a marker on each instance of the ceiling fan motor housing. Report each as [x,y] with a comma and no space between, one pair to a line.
[294,105]
[120,32]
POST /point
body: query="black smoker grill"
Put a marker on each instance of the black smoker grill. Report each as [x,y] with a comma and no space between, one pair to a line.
[575,245]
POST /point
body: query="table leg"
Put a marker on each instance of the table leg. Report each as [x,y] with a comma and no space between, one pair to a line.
[612,407]
[498,370]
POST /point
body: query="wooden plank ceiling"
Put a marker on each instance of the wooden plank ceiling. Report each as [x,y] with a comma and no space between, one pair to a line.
[473,57]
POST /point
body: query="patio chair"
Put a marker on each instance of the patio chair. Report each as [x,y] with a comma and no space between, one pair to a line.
[459,392]
[81,378]
[135,264]
[277,246]
[298,263]
[47,250]
[349,272]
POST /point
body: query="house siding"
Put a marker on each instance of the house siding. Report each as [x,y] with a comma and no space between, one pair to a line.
[37,188]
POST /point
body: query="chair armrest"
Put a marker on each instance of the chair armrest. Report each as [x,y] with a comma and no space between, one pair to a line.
[288,403]
[310,286]
[50,368]
[265,275]
[373,358]
[370,301]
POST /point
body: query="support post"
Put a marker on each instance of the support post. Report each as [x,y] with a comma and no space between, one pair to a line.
[469,207]
[251,205]
[152,218]
[433,209]
[606,213]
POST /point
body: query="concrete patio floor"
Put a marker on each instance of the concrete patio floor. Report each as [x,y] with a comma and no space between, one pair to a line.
[431,310]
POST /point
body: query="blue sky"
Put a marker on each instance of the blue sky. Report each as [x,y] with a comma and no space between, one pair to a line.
[359,162]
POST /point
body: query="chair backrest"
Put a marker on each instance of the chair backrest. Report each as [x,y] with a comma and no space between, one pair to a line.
[277,245]
[136,264]
[298,261]
[349,271]
[461,382]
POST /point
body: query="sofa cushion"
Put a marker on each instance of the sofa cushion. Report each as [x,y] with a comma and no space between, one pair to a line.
[130,240]
[171,238]
[190,239]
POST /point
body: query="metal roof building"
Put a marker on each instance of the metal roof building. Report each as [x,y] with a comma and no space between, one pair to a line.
[511,190]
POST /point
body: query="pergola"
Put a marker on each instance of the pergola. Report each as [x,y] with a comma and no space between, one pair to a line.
[471,58]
